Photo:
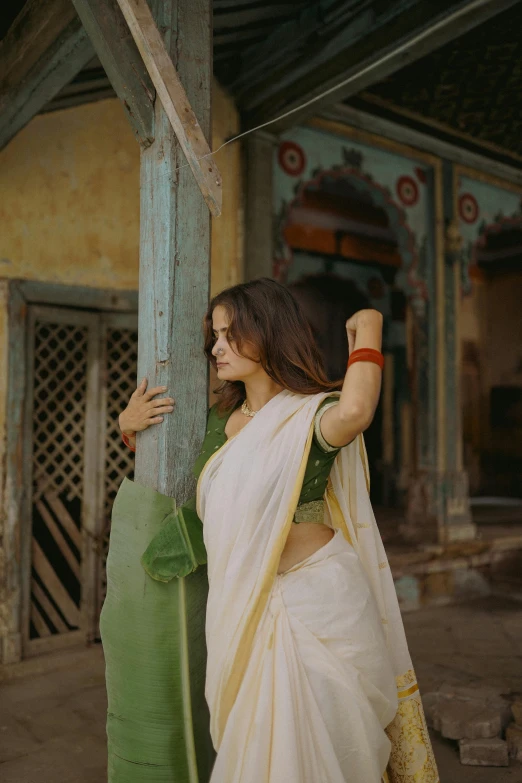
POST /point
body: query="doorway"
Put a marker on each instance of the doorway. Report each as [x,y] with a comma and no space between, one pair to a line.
[81,370]
[344,255]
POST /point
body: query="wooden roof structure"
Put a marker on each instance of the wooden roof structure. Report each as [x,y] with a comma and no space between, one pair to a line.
[273,56]
[467,92]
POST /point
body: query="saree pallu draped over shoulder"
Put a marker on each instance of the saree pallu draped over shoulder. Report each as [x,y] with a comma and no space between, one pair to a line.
[309,677]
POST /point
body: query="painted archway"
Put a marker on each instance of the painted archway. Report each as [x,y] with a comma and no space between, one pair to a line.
[488,210]
[498,244]
[374,195]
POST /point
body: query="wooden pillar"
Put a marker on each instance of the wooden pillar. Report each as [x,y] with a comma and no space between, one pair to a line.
[259,206]
[175,261]
[425,516]
[438,503]
[13,311]
[458,522]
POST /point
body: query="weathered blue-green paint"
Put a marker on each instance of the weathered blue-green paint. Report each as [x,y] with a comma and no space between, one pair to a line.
[174,264]
[122,62]
[158,725]
[457,515]
[60,59]
[427,344]
[452,417]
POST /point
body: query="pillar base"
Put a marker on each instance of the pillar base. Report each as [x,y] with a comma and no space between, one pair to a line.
[438,510]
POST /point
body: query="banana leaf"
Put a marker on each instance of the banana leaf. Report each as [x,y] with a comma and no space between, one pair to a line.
[153,636]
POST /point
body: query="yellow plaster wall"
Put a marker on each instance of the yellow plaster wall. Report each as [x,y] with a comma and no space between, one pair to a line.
[69,198]
[491,330]
[469,318]
[227,265]
[505,329]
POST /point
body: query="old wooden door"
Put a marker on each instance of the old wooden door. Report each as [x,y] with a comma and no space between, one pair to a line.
[81,370]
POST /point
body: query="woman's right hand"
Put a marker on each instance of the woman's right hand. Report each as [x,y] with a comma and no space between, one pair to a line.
[143,410]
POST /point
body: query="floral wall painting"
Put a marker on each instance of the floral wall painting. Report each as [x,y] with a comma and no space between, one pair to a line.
[350,202]
[490,224]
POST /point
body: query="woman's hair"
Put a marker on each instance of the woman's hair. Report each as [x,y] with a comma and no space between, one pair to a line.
[264,314]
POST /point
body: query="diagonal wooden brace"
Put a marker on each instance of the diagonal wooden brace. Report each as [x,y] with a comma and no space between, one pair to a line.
[174,99]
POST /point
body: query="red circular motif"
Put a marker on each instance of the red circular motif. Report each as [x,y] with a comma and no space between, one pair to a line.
[421,175]
[407,191]
[291,158]
[468,208]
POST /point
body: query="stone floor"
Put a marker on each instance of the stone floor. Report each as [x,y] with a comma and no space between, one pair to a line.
[52,724]
[476,642]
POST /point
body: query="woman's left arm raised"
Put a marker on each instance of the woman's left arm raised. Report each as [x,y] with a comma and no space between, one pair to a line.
[341,423]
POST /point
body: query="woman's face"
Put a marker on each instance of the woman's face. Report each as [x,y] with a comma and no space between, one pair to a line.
[230,365]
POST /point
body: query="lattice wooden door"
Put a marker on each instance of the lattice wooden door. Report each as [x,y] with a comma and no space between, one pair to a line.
[81,369]
[120,364]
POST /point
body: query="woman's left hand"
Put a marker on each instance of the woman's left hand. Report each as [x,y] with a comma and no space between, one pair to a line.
[360,319]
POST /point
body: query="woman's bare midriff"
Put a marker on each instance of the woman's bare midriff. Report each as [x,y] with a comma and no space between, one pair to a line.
[303,540]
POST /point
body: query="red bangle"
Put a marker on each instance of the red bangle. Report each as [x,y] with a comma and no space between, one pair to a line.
[127,442]
[367,355]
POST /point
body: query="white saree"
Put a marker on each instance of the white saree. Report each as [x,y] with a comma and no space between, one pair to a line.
[309,679]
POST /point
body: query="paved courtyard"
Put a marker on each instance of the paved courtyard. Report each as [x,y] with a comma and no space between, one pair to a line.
[52,724]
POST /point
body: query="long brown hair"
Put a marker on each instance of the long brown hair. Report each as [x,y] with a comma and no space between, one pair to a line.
[264,314]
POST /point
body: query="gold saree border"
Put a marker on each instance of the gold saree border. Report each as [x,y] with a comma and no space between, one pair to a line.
[411,757]
[237,671]
[337,515]
[364,459]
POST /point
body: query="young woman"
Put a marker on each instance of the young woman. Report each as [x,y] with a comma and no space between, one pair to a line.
[309,678]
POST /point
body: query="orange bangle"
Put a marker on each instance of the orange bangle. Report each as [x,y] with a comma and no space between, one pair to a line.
[127,442]
[367,355]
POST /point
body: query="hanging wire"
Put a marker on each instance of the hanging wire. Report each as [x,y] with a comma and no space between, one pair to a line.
[345,82]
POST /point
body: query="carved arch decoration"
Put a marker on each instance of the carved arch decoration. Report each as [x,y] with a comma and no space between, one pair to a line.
[411,280]
[473,256]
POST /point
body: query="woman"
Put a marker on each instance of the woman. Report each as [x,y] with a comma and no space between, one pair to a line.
[308,676]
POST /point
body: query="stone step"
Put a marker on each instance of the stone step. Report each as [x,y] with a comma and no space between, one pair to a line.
[467,720]
[492,752]
[467,711]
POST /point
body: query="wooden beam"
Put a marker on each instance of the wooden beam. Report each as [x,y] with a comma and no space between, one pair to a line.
[175,262]
[59,539]
[42,629]
[48,607]
[174,99]
[367,47]
[45,47]
[122,62]
[60,595]
[37,292]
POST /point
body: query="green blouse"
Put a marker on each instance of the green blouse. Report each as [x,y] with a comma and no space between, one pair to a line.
[318,467]
[178,549]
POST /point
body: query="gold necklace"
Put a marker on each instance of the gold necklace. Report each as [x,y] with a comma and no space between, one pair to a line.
[246,410]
